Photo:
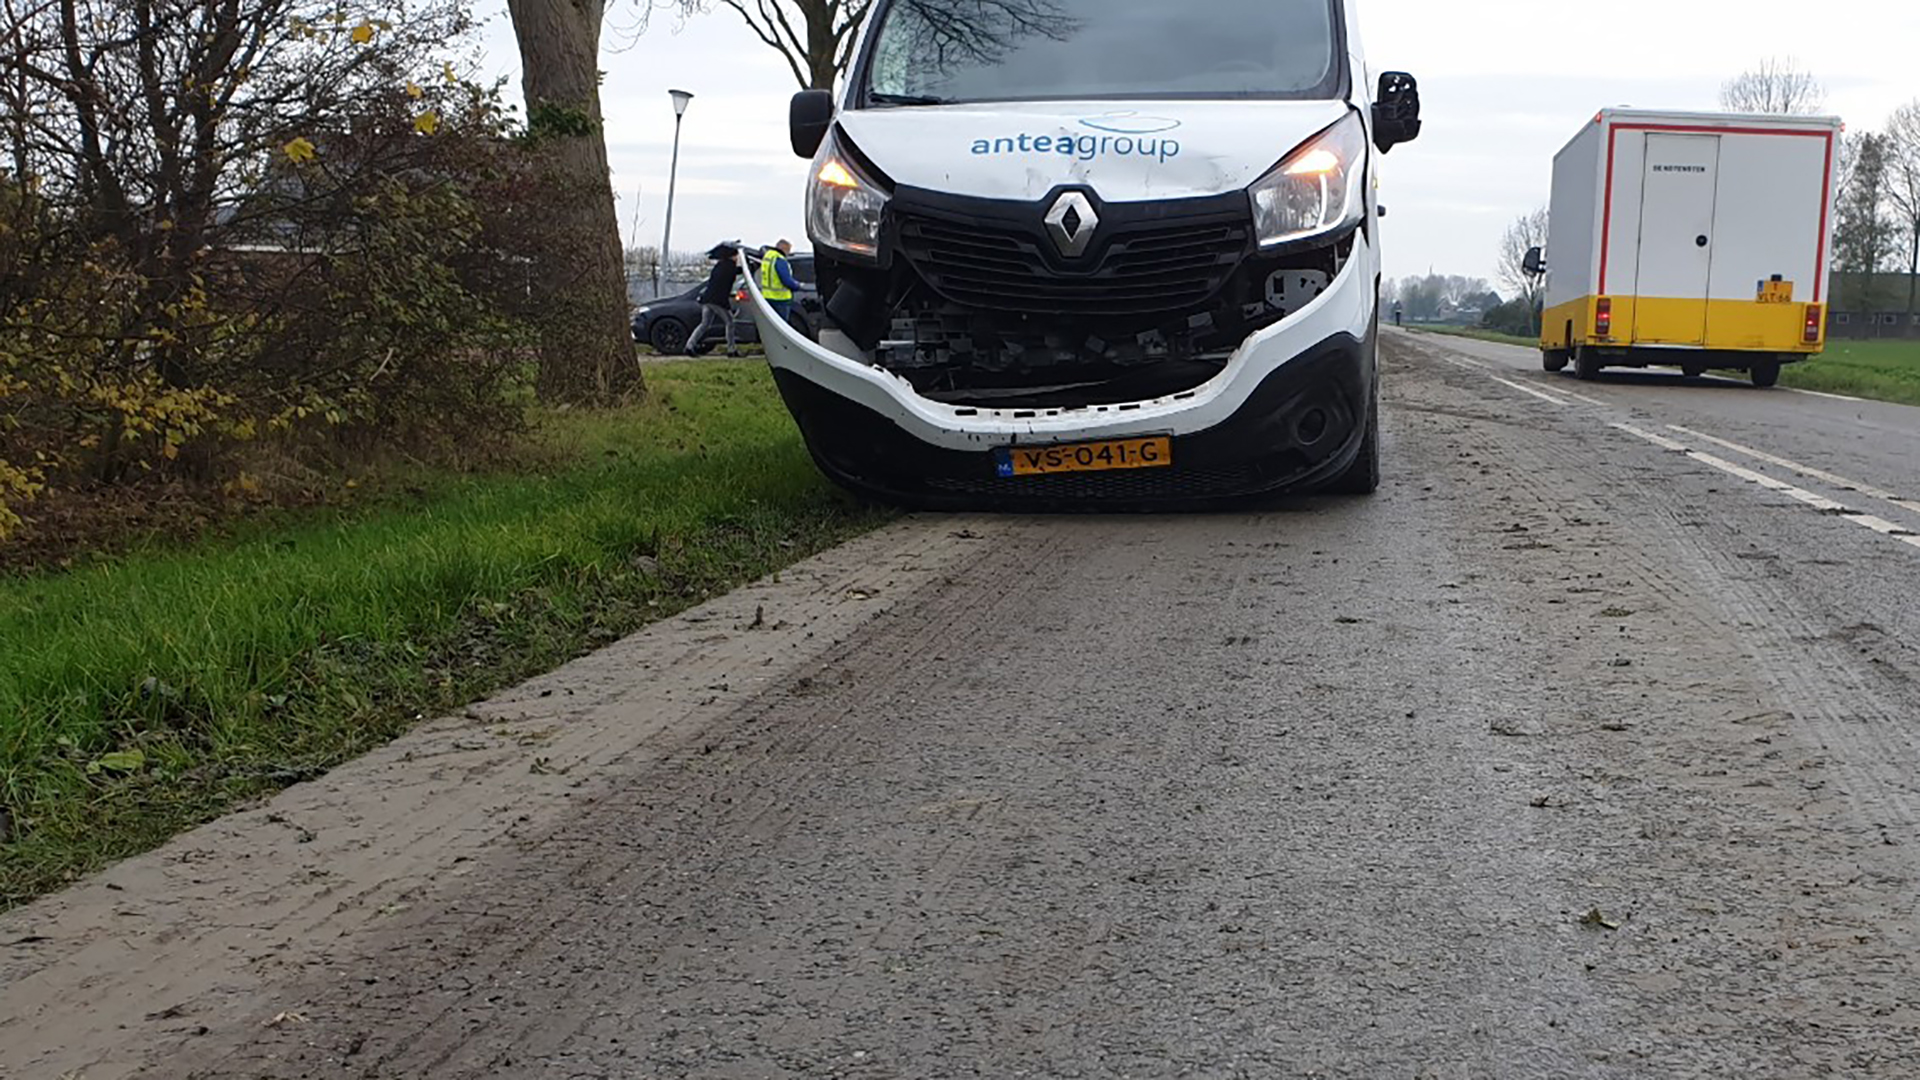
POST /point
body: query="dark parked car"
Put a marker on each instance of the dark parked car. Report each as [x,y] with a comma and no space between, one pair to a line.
[666,324]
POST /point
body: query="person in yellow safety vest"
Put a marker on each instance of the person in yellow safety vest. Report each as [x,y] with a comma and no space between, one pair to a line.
[776,278]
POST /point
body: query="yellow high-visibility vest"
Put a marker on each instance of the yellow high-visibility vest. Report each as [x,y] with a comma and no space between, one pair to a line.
[771,286]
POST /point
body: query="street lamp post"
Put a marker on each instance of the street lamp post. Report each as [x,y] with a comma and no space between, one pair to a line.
[680,99]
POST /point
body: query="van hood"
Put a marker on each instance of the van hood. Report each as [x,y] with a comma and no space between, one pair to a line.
[1131,151]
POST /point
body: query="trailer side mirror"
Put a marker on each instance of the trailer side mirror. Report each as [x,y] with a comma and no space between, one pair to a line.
[1396,110]
[808,118]
[1535,263]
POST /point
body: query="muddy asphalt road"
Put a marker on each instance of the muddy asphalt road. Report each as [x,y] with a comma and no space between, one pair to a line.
[1589,748]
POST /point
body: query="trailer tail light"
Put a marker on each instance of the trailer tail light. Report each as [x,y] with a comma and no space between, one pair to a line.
[1813,324]
[1603,318]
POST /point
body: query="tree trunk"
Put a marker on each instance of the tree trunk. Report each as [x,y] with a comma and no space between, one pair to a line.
[1913,272]
[580,281]
[822,54]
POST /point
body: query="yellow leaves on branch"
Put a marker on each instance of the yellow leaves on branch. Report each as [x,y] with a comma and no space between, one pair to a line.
[362,33]
[299,150]
[427,122]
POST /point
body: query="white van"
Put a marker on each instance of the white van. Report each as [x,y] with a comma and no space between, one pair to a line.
[1095,252]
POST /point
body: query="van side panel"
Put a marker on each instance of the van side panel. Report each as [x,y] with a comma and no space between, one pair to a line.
[1573,239]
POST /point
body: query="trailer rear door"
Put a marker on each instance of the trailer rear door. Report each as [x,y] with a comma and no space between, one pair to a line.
[1676,238]
[1769,219]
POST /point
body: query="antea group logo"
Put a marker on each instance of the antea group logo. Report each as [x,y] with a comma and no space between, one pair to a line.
[1120,134]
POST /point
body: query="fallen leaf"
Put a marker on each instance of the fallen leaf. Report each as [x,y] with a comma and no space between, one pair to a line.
[1595,919]
[286,1018]
[120,761]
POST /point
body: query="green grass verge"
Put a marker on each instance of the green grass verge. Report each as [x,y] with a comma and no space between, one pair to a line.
[1478,335]
[144,695]
[1882,370]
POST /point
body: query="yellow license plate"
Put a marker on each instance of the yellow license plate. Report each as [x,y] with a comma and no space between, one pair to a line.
[1151,453]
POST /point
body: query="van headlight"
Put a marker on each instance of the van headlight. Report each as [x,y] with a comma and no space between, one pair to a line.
[844,208]
[1316,189]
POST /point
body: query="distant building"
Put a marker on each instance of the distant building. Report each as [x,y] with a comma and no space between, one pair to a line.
[1861,325]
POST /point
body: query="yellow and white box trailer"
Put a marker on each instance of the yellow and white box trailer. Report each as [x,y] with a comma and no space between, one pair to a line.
[1690,240]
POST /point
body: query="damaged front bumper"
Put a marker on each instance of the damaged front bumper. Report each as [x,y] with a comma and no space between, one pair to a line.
[1287,412]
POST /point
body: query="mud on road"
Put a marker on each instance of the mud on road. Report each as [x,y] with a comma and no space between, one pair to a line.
[1566,756]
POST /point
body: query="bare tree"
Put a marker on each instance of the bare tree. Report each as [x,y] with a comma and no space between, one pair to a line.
[1527,232]
[1903,187]
[815,37]
[1778,86]
[1863,237]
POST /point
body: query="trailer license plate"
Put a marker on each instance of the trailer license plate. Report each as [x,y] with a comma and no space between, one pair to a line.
[1151,453]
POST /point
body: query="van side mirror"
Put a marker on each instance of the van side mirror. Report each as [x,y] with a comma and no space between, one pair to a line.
[1396,110]
[1535,263]
[808,119]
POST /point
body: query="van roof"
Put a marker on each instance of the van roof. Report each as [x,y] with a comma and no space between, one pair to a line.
[1714,119]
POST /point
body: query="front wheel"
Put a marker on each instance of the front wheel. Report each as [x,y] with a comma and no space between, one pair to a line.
[1363,476]
[669,337]
[1764,375]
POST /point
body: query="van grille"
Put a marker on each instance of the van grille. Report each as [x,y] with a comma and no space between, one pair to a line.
[1133,268]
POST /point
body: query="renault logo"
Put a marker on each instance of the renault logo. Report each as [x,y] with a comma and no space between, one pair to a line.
[1071,223]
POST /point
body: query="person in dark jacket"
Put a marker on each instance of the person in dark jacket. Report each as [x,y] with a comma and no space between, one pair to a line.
[716,300]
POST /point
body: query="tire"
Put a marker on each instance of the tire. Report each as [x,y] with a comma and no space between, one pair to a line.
[1586,364]
[1692,371]
[1363,476]
[1553,359]
[1765,375]
[669,337]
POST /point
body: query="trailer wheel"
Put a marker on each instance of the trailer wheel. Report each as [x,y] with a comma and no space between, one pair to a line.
[1586,363]
[1765,375]
[1553,359]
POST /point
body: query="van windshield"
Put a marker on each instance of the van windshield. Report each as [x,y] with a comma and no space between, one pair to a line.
[935,52]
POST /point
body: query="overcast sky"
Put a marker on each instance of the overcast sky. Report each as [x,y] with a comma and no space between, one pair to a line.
[1504,84]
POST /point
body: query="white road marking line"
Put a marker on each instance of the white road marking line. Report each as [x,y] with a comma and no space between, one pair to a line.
[1871,492]
[1660,441]
[1542,395]
[1575,395]
[1817,501]
[1817,393]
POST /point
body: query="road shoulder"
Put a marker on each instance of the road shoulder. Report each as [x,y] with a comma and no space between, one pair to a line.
[158,944]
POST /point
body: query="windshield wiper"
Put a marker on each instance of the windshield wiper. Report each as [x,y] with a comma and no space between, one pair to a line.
[908,99]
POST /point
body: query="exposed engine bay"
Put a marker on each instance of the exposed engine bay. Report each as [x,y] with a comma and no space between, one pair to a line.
[987,313]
